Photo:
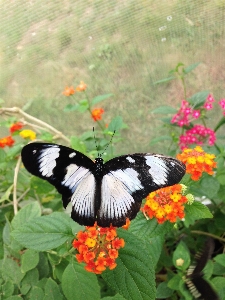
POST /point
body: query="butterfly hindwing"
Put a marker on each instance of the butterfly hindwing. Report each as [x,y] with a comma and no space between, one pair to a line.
[128,179]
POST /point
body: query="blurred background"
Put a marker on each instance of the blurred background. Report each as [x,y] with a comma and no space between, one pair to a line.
[119,47]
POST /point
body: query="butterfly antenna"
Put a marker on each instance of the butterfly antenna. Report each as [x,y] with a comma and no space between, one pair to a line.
[108,143]
[96,146]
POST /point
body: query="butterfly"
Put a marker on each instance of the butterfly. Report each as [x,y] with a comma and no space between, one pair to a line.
[104,192]
[197,285]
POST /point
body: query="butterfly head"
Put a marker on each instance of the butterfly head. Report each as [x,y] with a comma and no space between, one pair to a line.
[98,166]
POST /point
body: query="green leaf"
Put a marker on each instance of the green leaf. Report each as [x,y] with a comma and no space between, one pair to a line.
[181,256]
[36,293]
[116,297]
[77,144]
[14,151]
[164,110]
[52,291]
[5,196]
[100,98]
[31,278]
[160,138]
[45,233]
[83,105]
[26,214]
[43,266]
[210,186]
[219,124]
[71,107]
[29,260]
[163,291]
[198,99]
[219,286]
[191,68]
[220,259]
[40,186]
[11,271]
[196,211]
[133,277]
[7,289]
[174,282]
[2,155]
[115,124]
[164,80]
[77,283]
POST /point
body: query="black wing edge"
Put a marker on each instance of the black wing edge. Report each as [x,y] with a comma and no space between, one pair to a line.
[118,222]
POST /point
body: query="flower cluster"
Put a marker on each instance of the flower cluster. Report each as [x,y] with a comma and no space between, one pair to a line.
[185,114]
[166,204]
[15,129]
[197,135]
[222,104]
[28,134]
[98,248]
[197,162]
[208,103]
[69,90]
[97,114]
[6,141]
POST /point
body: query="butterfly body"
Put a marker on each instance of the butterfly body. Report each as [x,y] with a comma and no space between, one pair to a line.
[104,192]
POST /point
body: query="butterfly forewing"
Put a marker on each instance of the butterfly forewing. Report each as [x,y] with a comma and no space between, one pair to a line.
[108,193]
[63,167]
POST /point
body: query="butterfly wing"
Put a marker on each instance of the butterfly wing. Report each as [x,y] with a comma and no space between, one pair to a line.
[69,171]
[128,179]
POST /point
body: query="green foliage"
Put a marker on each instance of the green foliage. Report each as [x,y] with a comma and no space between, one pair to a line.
[38,261]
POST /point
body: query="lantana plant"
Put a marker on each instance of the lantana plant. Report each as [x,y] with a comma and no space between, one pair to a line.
[46,253]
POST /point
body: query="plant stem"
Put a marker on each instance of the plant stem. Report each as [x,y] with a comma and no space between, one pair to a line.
[208,234]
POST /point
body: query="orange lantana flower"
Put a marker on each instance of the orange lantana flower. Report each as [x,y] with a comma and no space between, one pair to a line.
[6,141]
[197,162]
[68,91]
[81,87]
[166,204]
[97,113]
[98,248]
[16,126]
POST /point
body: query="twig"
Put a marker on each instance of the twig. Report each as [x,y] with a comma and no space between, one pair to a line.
[17,110]
[15,201]
[208,234]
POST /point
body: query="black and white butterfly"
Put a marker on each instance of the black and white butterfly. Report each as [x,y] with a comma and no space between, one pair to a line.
[107,193]
[197,285]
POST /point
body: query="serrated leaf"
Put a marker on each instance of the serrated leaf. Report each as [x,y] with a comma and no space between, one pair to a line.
[40,186]
[164,110]
[29,260]
[196,211]
[100,98]
[133,278]
[116,124]
[45,233]
[116,297]
[77,283]
[14,151]
[198,99]
[26,214]
[52,291]
[181,256]
[191,68]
